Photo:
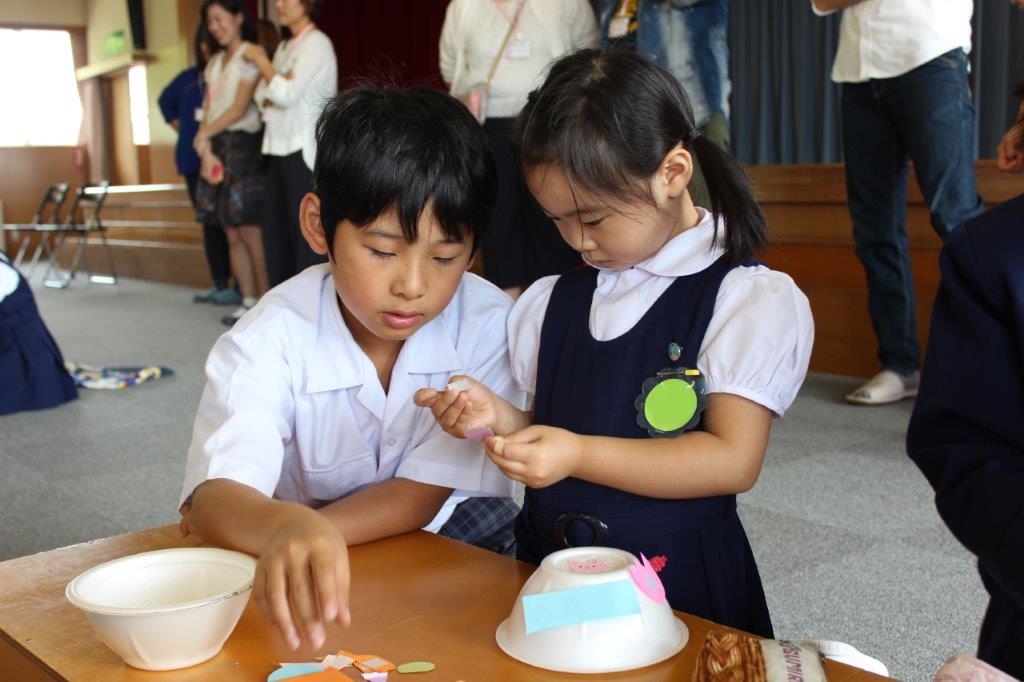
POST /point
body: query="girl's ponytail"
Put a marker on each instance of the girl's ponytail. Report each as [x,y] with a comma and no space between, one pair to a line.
[732,202]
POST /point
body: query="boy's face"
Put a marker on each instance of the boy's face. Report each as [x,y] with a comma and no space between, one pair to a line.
[390,288]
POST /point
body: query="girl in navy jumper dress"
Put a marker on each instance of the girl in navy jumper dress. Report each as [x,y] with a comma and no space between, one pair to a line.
[609,144]
[32,374]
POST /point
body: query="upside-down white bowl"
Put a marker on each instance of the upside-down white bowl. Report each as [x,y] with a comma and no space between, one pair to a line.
[597,646]
[167,609]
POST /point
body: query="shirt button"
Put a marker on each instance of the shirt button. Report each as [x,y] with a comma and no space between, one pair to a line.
[391,442]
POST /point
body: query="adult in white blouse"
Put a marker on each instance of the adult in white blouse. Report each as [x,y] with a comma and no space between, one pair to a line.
[230,190]
[521,244]
[291,93]
[902,66]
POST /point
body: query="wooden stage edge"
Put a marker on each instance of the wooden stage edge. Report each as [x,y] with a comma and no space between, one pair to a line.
[810,239]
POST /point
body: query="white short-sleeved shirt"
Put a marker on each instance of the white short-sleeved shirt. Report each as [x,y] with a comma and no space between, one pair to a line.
[223,78]
[298,99]
[8,278]
[757,345]
[888,38]
[294,407]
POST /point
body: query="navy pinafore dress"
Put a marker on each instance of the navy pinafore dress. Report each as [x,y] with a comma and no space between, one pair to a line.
[32,373]
[588,387]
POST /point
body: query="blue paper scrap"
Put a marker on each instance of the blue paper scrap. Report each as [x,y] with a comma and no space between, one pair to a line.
[288,671]
[580,604]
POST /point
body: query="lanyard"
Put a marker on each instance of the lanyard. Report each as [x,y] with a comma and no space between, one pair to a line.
[514,19]
[294,41]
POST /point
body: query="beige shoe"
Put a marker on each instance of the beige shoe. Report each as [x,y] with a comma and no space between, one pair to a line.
[884,388]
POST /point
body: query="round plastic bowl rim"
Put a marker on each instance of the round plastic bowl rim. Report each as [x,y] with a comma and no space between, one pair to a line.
[72,595]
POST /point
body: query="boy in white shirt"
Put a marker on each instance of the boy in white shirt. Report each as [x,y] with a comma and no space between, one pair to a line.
[307,439]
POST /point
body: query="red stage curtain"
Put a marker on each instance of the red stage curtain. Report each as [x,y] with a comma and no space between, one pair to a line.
[394,41]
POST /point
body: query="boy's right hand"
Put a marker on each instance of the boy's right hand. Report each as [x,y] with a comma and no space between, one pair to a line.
[302,578]
[459,411]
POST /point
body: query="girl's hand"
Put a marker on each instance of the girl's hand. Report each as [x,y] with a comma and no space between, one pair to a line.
[302,578]
[460,411]
[211,168]
[538,456]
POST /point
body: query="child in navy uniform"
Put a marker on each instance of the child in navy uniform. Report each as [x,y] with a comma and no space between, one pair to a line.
[967,430]
[32,373]
[608,144]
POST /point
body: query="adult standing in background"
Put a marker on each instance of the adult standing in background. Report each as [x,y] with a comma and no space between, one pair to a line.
[292,91]
[181,104]
[687,38]
[902,66]
[521,244]
[230,188]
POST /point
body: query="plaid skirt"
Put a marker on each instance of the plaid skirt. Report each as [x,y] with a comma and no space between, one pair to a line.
[484,522]
[238,198]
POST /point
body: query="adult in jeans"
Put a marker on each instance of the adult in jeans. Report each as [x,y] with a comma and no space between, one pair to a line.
[689,39]
[902,65]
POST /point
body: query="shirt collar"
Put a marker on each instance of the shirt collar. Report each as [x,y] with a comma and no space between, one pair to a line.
[338,362]
[691,251]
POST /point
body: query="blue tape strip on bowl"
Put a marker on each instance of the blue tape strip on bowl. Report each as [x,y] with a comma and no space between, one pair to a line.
[580,604]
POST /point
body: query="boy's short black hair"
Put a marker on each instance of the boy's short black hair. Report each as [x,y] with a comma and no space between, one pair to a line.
[383,148]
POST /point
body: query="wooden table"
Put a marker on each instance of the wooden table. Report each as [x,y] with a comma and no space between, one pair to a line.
[415,597]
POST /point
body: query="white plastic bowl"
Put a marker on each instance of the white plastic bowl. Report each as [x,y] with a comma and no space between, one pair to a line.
[168,609]
[597,646]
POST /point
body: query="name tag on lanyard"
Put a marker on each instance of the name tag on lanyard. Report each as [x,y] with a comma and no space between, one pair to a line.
[518,48]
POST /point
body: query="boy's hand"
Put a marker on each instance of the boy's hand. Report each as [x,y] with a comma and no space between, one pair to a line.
[538,456]
[459,411]
[302,578]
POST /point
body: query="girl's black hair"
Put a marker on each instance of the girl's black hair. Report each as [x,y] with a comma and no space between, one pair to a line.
[248,28]
[203,37]
[313,9]
[1018,92]
[381,148]
[608,119]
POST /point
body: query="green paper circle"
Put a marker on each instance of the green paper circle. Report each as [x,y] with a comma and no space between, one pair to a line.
[670,405]
[416,667]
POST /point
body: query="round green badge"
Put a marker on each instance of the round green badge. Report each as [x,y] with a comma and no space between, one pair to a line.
[670,405]
[671,402]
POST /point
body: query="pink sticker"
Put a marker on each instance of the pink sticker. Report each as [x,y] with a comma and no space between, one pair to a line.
[647,580]
[589,565]
[479,434]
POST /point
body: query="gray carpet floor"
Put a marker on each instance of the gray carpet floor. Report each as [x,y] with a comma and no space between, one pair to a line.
[842,524]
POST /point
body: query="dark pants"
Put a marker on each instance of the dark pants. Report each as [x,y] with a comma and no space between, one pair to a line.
[215,242]
[925,115]
[1002,639]
[521,244]
[286,250]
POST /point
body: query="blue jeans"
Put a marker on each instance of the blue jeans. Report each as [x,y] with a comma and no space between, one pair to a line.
[925,115]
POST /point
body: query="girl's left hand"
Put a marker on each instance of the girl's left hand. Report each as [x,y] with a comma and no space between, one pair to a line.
[538,456]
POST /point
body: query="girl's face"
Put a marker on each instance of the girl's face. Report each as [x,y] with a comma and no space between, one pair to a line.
[290,11]
[223,25]
[609,233]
